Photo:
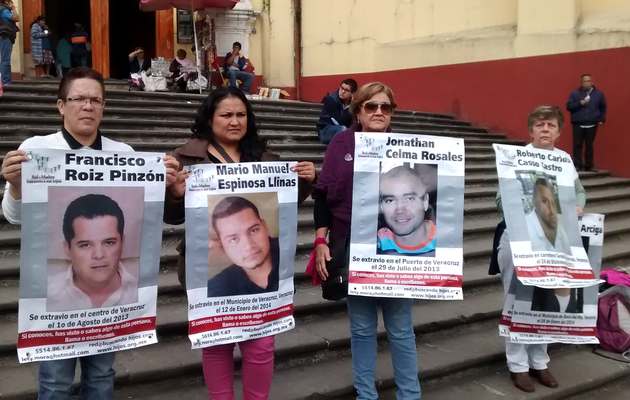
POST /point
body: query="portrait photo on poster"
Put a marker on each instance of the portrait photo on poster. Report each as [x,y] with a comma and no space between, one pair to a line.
[541,206]
[243,248]
[407,212]
[560,300]
[94,248]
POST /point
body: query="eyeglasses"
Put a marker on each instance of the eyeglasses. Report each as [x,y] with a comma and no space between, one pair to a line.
[81,100]
[371,107]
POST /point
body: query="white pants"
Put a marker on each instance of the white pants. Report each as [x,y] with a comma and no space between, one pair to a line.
[520,357]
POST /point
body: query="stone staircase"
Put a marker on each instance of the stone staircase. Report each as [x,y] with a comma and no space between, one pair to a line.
[460,353]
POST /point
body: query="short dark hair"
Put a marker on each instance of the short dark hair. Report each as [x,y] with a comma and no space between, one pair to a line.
[181,53]
[78,73]
[230,206]
[403,170]
[39,18]
[545,112]
[237,44]
[251,146]
[583,75]
[91,206]
[350,82]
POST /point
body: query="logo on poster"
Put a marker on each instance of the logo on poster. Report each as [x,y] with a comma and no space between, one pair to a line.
[368,148]
[508,157]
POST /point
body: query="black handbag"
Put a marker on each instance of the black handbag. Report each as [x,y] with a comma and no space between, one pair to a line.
[336,286]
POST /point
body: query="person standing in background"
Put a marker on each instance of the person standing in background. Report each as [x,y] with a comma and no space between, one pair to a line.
[587,106]
[8,32]
[64,59]
[42,56]
[79,40]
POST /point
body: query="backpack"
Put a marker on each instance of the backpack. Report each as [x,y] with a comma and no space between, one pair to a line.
[613,321]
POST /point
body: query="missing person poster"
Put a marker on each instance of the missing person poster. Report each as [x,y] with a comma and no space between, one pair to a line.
[406,238]
[567,315]
[241,224]
[539,205]
[90,252]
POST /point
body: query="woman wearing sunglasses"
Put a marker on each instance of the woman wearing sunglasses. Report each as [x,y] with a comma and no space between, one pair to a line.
[372,107]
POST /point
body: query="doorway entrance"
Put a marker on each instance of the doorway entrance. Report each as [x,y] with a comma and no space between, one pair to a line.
[61,18]
[129,28]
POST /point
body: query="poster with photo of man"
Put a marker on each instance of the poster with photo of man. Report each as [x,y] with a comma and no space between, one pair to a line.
[90,252]
[241,224]
[406,237]
[539,207]
[562,314]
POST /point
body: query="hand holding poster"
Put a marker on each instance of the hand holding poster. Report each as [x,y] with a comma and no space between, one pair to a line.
[539,207]
[567,315]
[406,237]
[241,224]
[90,252]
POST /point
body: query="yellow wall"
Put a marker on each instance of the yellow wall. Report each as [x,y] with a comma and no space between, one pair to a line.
[17,54]
[272,47]
[374,35]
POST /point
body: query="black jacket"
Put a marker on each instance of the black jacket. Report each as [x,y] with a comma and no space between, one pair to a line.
[233,281]
[8,29]
[545,300]
[334,108]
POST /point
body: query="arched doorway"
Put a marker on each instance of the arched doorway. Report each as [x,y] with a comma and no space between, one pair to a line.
[129,28]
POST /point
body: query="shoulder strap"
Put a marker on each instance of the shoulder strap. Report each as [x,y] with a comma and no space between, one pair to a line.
[222,151]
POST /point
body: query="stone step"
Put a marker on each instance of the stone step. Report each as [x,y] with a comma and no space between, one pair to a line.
[22,104]
[439,354]
[611,390]
[188,113]
[577,369]
[321,336]
[51,90]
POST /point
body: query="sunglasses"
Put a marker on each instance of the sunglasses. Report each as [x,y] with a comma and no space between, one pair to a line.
[371,107]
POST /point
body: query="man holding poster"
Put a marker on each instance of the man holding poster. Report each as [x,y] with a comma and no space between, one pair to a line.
[80,102]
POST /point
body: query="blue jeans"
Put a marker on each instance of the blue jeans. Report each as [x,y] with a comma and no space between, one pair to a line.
[402,343]
[243,76]
[326,134]
[5,59]
[97,378]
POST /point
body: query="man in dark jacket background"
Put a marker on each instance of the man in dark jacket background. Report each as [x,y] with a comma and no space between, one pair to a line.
[335,115]
[587,106]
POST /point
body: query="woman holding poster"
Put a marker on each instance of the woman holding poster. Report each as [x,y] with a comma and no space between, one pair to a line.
[527,360]
[225,132]
[372,107]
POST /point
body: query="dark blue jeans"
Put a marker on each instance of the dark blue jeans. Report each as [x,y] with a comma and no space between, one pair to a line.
[97,378]
[402,344]
[5,59]
[243,76]
[328,132]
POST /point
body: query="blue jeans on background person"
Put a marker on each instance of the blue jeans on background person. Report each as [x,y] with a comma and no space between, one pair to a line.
[326,134]
[402,344]
[97,378]
[5,59]
[243,76]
